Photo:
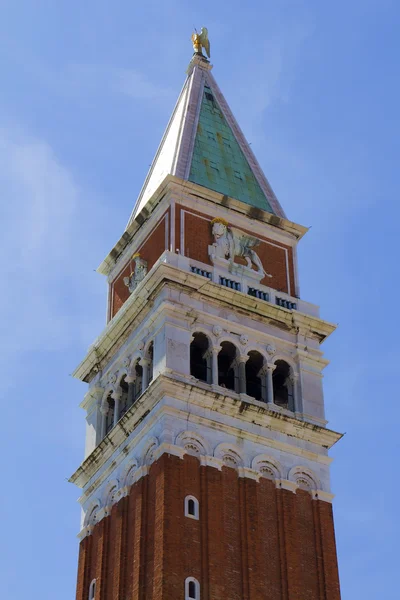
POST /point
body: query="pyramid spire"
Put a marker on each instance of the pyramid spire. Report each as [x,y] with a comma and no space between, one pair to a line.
[204,144]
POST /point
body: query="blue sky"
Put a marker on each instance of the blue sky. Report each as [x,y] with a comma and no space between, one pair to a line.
[87,89]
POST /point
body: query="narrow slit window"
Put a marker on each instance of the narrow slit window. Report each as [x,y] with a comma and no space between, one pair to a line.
[238,175]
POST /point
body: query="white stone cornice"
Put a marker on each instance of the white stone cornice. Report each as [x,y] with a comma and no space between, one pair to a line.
[84,532]
[249,473]
[321,495]
[93,396]
[172,449]
[216,411]
[285,484]
[205,460]
[211,461]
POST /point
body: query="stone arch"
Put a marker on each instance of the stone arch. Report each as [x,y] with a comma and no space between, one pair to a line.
[284,378]
[200,328]
[286,357]
[230,455]
[255,369]
[111,493]
[134,361]
[121,374]
[201,356]
[232,339]
[146,350]
[149,451]
[267,466]
[110,389]
[304,478]
[228,371]
[193,443]
[128,473]
[91,513]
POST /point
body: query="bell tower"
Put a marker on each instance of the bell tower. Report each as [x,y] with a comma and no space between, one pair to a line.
[206,470]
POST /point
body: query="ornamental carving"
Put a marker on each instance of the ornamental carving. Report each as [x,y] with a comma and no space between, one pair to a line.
[244,340]
[271,349]
[217,330]
[139,273]
[230,242]
[112,378]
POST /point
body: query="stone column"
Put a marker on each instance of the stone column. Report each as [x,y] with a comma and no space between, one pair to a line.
[116,396]
[270,386]
[294,377]
[214,369]
[145,363]
[262,374]
[242,373]
[104,412]
[130,380]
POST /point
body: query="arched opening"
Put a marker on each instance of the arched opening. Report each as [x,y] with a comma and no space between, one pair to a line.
[138,383]
[123,401]
[191,507]
[227,367]
[192,589]
[150,353]
[110,403]
[283,388]
[92,590]
[200,361]
[255,385]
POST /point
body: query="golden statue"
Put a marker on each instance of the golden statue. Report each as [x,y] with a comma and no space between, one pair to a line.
[200,40]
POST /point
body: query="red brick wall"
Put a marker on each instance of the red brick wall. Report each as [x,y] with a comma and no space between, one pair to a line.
[197,237]
[252,542]
[150,250]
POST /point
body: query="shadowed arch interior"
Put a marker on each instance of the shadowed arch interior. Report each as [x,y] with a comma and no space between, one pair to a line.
[254,386]
[283,389]
[227,370]
[200,364]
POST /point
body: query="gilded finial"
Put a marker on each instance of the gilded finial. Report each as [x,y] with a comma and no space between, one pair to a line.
[200,40]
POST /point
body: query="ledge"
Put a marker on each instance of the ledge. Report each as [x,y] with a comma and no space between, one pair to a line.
[168,395]
[165,272]
[171,184]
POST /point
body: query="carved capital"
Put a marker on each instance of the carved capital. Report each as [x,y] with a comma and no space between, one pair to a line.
[243,358]
[144,362]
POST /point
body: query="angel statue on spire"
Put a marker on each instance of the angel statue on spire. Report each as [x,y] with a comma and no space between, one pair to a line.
[200,40]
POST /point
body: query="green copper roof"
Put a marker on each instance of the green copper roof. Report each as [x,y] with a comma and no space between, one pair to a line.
[218,162]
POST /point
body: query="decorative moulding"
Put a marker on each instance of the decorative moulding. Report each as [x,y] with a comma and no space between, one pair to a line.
[226,456]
